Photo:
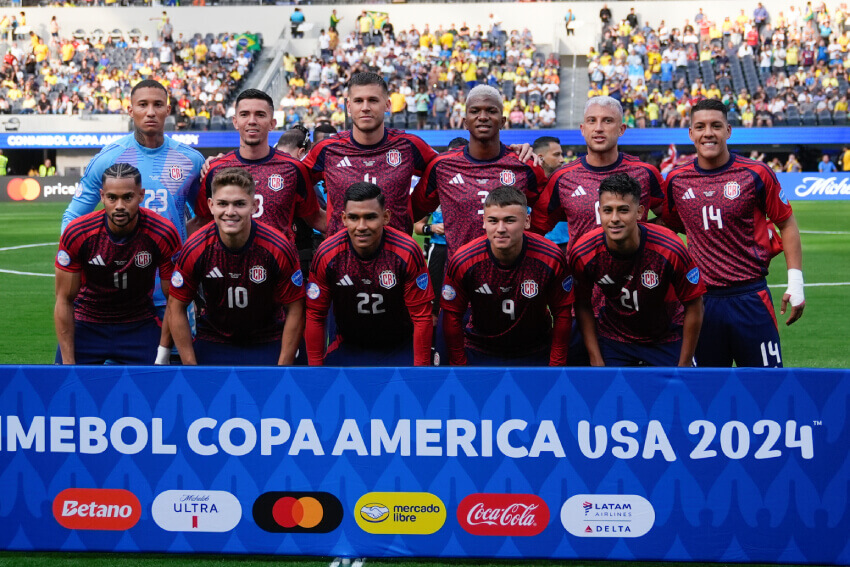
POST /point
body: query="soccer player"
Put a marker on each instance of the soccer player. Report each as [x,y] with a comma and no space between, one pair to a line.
[572,193]
[376,279]
[105,272]
[459,180]
[517,283]
[551,159]
[369,152]
[282,183]
[247,274]
[646,277]
[723,202]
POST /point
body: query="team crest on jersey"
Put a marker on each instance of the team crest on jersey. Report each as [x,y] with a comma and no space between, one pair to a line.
[449,292]
[313,290]
[175,172]
[731,190]
[297,278]
[649,279]
[394,158]
[257,274]
[275,182]
[63,258]
[422,281]
[507,177]
[567,284]
[529,288]
[143,259]
[386,279]
[693,276]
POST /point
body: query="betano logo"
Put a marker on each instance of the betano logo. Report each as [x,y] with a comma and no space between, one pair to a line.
[400,513]
[96,509]
[298,512]
[23,189]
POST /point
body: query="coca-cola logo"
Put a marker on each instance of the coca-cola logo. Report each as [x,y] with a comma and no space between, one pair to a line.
[503,514]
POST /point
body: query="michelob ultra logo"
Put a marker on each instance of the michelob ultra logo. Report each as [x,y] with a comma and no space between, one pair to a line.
[196,511]
[400,513]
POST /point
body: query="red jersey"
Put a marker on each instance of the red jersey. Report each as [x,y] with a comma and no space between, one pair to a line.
[572,194]
[242,291]
[373,298]
[459,184]
[725,213]
[390,164]
[512,306]
[282,188]
[118,275]
[643,292]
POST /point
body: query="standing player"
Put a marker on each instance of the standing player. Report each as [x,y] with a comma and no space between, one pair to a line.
[572,193]
[723,203]
[645,275]
[459,180]
[283,186]
[376,279]
[510,277]
[248,277]
[369,152]
[551,159]
[105,272]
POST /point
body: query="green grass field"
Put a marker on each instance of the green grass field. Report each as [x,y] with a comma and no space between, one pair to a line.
[819,339]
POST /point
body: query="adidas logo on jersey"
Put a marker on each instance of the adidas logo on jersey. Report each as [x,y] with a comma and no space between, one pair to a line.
[689,194]
[97,261]
[579,192]
[485,289]
[606,280]
[456,180]
[345,281]
[344,162]
[215,273]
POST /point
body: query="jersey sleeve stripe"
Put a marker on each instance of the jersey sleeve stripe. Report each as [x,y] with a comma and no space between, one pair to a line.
[81,227]
[329,246]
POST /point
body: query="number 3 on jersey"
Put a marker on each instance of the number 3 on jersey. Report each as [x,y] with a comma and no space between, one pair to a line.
[259,200]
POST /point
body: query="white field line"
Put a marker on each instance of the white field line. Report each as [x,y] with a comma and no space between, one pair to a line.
[823,232]
[21,247]
[17,273]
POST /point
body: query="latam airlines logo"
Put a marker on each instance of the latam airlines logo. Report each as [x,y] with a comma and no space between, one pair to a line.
[298,512]
[607,515]
[196,511]
[109,509]
[503,514]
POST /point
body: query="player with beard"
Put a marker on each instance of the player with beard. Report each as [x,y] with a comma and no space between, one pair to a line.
[552,158]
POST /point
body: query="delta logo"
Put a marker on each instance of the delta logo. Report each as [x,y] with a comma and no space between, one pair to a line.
[607,515]
[503,514]
[298,512]
[419,513]
[110,509]
[196,511]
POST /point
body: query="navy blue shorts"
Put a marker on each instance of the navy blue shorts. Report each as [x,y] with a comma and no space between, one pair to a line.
[577,355]
[615,353]
[341,353]
[119,343]
[739,326]
[209,353]
[478,358]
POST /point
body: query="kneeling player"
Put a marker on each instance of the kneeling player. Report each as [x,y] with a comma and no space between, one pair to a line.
[645,275]
[105,272]
[510,277]
[377,281]
[246,275]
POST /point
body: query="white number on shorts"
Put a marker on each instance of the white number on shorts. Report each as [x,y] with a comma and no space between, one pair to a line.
[769,349]
[156,200]
[237,297]
[629,299]
[508,308]
[363,306]
[483,195]
[709,213]
[120,280]
[259,199]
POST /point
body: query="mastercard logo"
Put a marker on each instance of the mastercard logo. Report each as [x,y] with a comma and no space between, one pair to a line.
[23,189]
[298,512]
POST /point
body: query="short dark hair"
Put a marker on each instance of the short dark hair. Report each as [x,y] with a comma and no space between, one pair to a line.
[506,196]
[543,142]
[621,184]
[368,78]
[149,84]
[458,142]
[254,94]
[233,176]
[325,128]
[709,104]
[122,171]
[363,191]
[296,137]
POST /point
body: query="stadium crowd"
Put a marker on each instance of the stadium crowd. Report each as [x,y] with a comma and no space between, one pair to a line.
[768,69]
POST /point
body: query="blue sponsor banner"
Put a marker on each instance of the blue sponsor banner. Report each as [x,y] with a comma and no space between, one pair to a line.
[725,465]
[813,186]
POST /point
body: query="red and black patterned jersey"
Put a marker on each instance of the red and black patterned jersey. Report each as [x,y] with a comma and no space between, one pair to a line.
[572,194]
[371,297]
[282,184]
[512,306]
[243,291]
[725,213]
[644,291]
[117,274]
[390,164]
[459,184]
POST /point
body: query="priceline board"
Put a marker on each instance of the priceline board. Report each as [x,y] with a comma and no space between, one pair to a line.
[723,465]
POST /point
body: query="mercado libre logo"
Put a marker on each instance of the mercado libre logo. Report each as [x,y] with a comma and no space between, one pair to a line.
[298,512]
[23,189]
[400,513]
[110,509]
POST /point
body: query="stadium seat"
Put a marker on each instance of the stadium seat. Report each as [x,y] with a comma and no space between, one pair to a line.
[200,123]
[218,123]
[793,115]
[809,119]
[840,119]
[170,124]
[824,118]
